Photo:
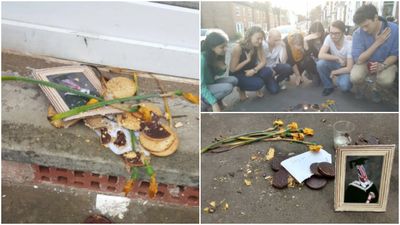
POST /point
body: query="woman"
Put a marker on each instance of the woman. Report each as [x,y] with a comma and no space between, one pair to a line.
[303,52]
[213,64]
[248,64]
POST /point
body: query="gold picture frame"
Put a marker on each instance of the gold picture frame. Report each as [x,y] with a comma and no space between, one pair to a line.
[363,177]
[81,78]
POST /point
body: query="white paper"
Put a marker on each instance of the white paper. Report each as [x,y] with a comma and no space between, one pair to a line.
[112,205]
[299,166]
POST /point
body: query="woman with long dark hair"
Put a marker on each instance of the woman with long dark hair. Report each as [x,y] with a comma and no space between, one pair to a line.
[248,64]
[213,90]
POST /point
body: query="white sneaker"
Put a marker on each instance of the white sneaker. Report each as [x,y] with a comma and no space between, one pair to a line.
[282,85]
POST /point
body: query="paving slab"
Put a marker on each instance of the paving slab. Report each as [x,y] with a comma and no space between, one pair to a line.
[222,174]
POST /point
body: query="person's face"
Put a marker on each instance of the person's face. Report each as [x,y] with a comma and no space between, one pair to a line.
[362,175]
[298,46]
[370,26]
[274,40]
[336,34]
[257,39]
[220,49]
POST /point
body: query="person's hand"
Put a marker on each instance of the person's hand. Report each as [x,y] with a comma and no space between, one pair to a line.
[248,55]
[380,67]
[215,107]
[249,73]
[312,36]
[380,39]
[341,61]
[333,74]
[298,80]
[373,67]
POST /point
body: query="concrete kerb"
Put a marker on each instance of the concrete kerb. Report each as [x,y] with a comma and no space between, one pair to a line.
[28,137]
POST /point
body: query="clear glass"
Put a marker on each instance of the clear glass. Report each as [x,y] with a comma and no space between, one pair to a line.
[342,133]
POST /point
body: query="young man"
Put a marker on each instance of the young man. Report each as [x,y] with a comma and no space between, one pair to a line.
[361,190]
[375,49]
[275,53]
[338,63]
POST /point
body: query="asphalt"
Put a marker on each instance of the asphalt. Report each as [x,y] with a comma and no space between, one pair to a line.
[28,137]
[53,204]
[222,174]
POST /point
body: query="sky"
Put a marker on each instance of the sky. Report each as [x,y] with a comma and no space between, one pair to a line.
[300,7]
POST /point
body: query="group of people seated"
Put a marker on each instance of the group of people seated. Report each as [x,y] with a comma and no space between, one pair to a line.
[323,57]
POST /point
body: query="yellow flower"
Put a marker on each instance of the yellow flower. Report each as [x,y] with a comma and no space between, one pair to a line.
[293,126]
[153,188]
[92,101]
[330,102]
[324,105]
[191,97]
[298,136]
[308,131]
[315,148]
[278,122]
[128,186]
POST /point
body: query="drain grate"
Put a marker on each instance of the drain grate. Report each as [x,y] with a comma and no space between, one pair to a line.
[107,183]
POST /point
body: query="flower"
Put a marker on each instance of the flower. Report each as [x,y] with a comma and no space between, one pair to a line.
[128,186]
[191,97]
[315,148]
[308,131]
[153,188]
[92,101]
[330,102]
[298,136]
[278,122]
[293,126]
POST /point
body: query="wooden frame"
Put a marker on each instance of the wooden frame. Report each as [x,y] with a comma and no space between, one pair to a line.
[72,76]
[381,158]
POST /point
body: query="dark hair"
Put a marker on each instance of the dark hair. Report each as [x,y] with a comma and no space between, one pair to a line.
[317,27]
[245,42]
[365,12]
[213,40]
[340,25]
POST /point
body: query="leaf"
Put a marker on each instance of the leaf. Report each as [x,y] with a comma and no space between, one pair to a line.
[247,182]
[191,98]
[270,155]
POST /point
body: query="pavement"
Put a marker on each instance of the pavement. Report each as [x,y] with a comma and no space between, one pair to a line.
[28,137]
[54,204]
[222,175]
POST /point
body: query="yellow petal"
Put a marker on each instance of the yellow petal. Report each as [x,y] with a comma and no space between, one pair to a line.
[330,102]
[206,209]
[146,112]
[291,182]
[270,155]
[128,186]
[315,148]
[92,101]
[247,182]
[226,206]
[213,204]
[191,97]
[278,122]
[298,136]
[153,188]
[308,131]
[293,126]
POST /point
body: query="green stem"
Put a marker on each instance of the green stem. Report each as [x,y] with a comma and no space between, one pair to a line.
[133,140]
[49,84]
[85,108]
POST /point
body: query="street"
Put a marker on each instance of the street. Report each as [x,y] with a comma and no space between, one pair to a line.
[223,173]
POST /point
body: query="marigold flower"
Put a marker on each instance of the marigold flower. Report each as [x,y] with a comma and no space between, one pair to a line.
[191,97]
[308,131]
[315,148]
[330,102]
[293,126]
[278,122]
[153,188]
[128,186]
[298,136]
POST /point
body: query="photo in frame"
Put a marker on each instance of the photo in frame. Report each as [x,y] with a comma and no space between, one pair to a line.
[81,78]
[363,177]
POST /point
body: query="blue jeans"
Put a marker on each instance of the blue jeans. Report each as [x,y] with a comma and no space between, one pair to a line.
[283,71]
[256,82]
[325,68]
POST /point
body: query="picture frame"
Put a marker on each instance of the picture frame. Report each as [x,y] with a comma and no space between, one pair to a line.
[363,177]
[81,78]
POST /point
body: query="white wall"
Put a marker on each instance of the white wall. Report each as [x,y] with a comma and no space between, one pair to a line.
[143,36]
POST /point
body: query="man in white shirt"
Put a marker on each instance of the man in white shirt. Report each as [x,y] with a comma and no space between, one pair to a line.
[338,63]
[275,53]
